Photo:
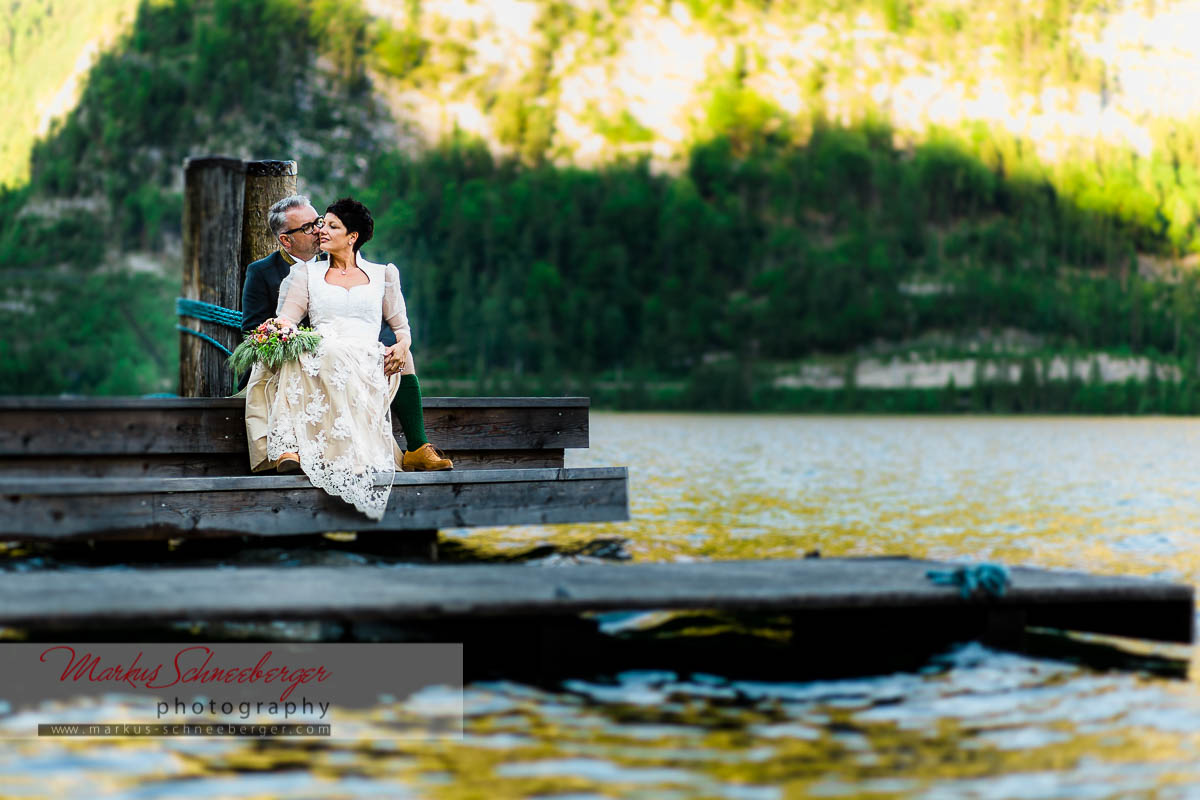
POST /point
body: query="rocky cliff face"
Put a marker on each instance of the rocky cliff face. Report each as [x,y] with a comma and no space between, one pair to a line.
[46,50]
[586,82]
[596,80]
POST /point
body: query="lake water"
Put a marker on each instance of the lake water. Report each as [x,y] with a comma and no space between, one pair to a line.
[1105,495]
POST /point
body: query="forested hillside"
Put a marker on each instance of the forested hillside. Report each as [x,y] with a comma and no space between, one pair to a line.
[46,49]
[92,263]
[777,223]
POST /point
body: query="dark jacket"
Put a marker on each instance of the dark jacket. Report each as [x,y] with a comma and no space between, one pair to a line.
[260,297]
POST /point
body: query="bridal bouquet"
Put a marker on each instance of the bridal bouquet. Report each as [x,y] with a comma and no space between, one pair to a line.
[273,344]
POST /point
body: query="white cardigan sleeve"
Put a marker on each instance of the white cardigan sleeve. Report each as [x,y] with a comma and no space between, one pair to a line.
[293,295]
[394,311]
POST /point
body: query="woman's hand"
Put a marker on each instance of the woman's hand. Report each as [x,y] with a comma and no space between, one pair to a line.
[394,358]
[284,322]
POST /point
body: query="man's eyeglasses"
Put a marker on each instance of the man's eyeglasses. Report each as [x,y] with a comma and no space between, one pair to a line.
[309,227]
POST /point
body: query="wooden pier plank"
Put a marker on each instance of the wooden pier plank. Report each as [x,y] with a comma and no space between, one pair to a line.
[77,403]
[276,505]
[127,426]
[1088,602]
[175,465]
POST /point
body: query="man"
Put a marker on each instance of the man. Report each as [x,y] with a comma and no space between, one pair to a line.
[295,224]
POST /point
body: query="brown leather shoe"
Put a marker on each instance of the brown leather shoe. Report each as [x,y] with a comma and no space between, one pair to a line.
[425,458]
[288,462]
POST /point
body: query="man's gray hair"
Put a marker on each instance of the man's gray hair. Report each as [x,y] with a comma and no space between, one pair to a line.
[277,213]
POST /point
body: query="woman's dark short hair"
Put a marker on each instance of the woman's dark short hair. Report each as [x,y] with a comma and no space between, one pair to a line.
[356,217]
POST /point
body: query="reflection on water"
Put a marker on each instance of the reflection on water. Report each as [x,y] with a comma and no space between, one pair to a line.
[1105,495]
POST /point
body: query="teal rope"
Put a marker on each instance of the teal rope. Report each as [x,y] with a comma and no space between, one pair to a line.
[197,309]
[992,578]
[208,312]
[205,337]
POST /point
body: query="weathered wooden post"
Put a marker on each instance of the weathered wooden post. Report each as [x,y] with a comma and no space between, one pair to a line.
[266,182]
[214,196]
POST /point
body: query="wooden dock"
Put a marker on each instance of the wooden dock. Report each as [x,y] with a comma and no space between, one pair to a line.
[831,594]
[281,505]
[109,468]
[206,436]
[176,468]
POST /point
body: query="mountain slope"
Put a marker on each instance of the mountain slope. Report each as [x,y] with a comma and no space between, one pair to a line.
[46,48]
[1097,98]
[754,213]
[99,219]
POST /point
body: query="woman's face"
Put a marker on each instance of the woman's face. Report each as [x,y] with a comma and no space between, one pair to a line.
[334,237]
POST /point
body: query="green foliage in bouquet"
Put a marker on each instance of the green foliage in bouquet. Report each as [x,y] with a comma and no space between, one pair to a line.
[272,345]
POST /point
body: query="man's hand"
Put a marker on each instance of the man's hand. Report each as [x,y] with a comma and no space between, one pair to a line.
[394,359]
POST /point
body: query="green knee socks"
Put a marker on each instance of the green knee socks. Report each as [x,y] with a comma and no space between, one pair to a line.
[407,408]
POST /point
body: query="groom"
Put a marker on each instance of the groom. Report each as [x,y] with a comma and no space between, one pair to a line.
[295,224]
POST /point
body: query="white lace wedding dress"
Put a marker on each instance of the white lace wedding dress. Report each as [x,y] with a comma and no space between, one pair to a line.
[332,407]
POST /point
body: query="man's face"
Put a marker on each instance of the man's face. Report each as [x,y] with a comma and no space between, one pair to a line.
[300,244]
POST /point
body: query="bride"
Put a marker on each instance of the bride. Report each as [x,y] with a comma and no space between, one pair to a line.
[328,412]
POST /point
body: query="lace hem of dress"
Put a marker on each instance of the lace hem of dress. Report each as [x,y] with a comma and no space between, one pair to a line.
[358,485]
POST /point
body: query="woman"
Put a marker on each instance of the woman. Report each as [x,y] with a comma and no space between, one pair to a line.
[328,412]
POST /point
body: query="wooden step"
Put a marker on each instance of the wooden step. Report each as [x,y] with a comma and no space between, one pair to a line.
[207,436]
[836,591]
[48,508]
